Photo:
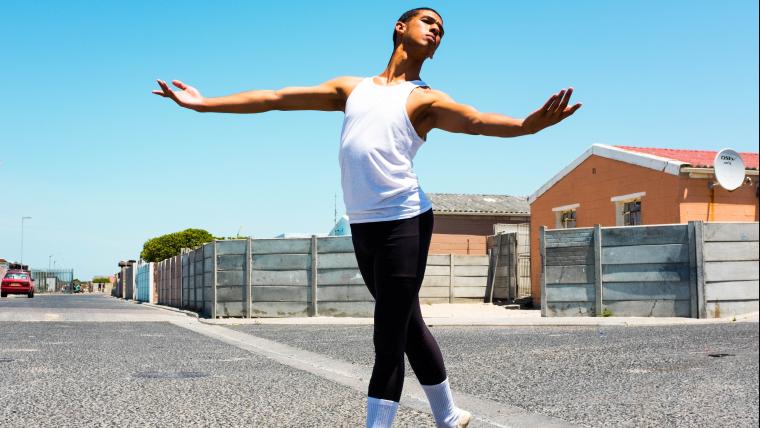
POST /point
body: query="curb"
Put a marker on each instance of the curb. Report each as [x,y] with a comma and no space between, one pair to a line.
[463,321]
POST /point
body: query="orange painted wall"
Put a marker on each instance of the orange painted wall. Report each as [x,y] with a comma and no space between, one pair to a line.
[738,205]
[458,244]
[466,234]
[669,199]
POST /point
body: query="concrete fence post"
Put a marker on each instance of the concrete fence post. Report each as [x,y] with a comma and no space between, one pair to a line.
[451,278]
[699,246]
[213,280]
[248,277]
[693,293]
[314,267]
[599,303]
[542,261]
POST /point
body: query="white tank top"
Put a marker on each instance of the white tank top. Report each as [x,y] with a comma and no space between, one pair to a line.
[377,145]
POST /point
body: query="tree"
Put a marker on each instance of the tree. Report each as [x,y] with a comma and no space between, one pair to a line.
[101,280]
[169,245]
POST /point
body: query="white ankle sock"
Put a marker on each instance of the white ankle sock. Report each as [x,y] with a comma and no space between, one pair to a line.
[380,413]
[442,404]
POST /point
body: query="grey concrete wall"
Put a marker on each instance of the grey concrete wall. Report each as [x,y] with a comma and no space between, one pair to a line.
[231,269]
[646,271]
[281,277]
[694,270]
[129,282]
[169,281]
[568,273]
[454,278]
[729,269]
[340,287]
[302,277]
[193,278]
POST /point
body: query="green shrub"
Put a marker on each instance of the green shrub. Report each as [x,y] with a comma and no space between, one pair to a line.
[169,245]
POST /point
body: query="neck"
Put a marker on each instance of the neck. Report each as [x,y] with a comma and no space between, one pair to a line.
[402,66]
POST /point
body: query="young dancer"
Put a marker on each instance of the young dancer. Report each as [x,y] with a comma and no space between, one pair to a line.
[387,118]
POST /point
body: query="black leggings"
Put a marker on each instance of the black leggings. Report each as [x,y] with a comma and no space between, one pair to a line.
[392,256]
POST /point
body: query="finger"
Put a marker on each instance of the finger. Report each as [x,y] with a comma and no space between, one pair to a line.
[556,107]
[157,92]
[554,99]
[549,102]
[565,100]
[571,110]
[167,91]
[179,84]
[163,86]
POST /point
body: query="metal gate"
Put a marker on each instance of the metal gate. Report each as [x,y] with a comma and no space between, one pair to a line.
[509,264]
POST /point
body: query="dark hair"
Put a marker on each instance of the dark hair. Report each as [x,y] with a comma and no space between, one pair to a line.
[408,15]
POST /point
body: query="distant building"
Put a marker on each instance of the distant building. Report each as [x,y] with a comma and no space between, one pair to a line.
[629,186]
[463,222]
[3,267]
[341,228]
[300,235]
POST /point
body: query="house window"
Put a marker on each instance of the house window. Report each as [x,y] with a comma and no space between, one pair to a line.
[628,209]
[567,219]
[632,213]
[565,216]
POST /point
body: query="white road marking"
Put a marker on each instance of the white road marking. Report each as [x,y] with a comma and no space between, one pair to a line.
[487,413]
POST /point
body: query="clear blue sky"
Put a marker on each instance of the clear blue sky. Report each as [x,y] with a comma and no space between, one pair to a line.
[101,164]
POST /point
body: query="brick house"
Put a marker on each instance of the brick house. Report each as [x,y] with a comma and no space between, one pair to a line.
[621,186]
[463,222]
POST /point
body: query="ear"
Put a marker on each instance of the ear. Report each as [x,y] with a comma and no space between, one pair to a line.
[400,27]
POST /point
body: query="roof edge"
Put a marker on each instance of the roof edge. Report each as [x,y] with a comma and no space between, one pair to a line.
[657,163]
[492,214]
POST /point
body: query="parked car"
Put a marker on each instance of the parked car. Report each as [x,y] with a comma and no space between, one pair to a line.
[17,281]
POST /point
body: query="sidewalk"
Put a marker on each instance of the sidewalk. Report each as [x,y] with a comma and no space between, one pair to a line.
[482,314]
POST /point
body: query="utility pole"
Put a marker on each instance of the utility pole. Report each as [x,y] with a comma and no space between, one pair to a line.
[22,236]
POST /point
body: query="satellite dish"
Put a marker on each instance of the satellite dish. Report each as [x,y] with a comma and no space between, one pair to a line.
[729,169]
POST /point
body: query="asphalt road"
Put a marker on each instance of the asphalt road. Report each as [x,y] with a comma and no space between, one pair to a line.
[156,373]
[612,376]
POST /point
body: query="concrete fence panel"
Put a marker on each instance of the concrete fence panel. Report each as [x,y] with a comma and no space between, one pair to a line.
[568,272]
[299,277]
[281,277]
[685,270]
[436,286]
[636,257]
[729,268]
[230,267]
[340,287]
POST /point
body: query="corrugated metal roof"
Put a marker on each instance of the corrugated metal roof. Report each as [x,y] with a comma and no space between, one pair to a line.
[451,203]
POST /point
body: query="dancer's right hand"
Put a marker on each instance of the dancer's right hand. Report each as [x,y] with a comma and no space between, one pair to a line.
[187,97]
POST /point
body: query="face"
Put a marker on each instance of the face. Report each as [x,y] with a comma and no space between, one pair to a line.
[425,30]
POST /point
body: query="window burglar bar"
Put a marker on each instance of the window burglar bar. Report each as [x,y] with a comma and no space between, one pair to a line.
[632,213]
[567,220]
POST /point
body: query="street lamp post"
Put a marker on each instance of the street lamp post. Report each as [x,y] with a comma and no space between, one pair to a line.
[22,236]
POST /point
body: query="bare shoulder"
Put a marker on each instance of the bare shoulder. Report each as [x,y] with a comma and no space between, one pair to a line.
[423,98]
[344,84]
[428,96]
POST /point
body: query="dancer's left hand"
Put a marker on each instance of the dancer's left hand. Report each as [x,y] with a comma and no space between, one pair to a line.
[553,112]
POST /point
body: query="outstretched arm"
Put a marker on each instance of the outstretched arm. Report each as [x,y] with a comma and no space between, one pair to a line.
[329,96]
[451,116]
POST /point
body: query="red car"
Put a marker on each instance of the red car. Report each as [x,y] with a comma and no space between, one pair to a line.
[17,282]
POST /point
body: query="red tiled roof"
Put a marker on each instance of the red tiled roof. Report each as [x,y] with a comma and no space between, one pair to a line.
[695,158]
